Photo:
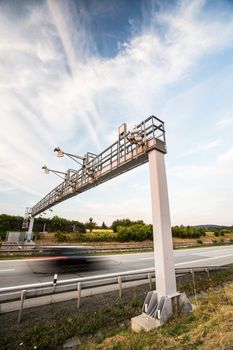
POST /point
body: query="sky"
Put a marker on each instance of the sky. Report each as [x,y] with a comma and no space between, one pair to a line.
[72,71]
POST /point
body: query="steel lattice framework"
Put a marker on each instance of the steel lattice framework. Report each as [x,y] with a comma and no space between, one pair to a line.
[129,151]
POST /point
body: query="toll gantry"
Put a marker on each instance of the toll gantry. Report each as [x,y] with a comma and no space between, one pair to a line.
[145,143]
[129,151]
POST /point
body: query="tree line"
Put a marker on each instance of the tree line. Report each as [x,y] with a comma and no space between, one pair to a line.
[124,230]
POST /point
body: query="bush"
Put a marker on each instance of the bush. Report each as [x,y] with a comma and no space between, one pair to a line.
[224,230]
[199,241]
[137,232]
[2,236]
[94,237]
[216,234]
[187,232]
[60,237]
[37,235]
[125,223]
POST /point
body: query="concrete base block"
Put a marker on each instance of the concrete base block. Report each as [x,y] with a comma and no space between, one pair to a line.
[144,322]
[155,313]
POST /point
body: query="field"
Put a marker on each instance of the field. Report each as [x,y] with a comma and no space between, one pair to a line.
[101,235]
[208,239]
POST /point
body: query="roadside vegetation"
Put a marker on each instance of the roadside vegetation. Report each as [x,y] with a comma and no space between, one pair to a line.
[60,230]
[103,322]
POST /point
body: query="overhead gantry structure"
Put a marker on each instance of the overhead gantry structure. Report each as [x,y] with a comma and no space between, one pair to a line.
[129,151]
[146,142]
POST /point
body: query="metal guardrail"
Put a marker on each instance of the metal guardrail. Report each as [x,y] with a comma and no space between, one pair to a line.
[22,292]
[98,247]
[38,253]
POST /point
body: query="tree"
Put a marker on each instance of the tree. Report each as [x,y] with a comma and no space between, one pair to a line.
[122,222]
[125,223]
[91,225]
[104,226]
[136,232]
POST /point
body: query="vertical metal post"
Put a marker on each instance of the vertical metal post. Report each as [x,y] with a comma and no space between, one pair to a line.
[79,294]
[30,229]
[163,247]
[54,282]
[21,304]
[120,286]
[150,279]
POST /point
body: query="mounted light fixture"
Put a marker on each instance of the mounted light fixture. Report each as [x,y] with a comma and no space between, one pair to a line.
[56,172]
[60,154]
[45,168]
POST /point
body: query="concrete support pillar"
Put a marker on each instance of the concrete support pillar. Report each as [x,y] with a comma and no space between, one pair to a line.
[160,305]
[163,246]
[30,229]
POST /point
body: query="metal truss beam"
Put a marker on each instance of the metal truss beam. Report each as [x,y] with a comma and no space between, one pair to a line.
[129,151]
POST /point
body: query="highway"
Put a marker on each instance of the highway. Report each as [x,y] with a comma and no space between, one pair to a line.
[34,270]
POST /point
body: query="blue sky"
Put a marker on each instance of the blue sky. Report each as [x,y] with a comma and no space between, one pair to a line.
[72,71]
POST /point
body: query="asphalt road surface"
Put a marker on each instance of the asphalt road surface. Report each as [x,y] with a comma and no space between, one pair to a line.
[27,271]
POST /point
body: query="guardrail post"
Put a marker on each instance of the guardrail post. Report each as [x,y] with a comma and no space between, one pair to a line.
[22,297]
[120,286]
[194,284]
[54,282]
[207,271]
[79,294]
[150,279]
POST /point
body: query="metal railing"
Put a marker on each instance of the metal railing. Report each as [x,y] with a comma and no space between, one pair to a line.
[22,292]
[17,249]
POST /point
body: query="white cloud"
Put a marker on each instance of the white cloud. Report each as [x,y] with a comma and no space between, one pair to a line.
[204,147]
[225,123]
[55,89]
[203,194]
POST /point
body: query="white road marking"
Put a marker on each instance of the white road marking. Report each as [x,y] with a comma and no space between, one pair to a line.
[206,259]
[7,270]
[146,258]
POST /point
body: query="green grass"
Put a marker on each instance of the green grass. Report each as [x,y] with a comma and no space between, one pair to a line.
[209,327]
[19,256]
